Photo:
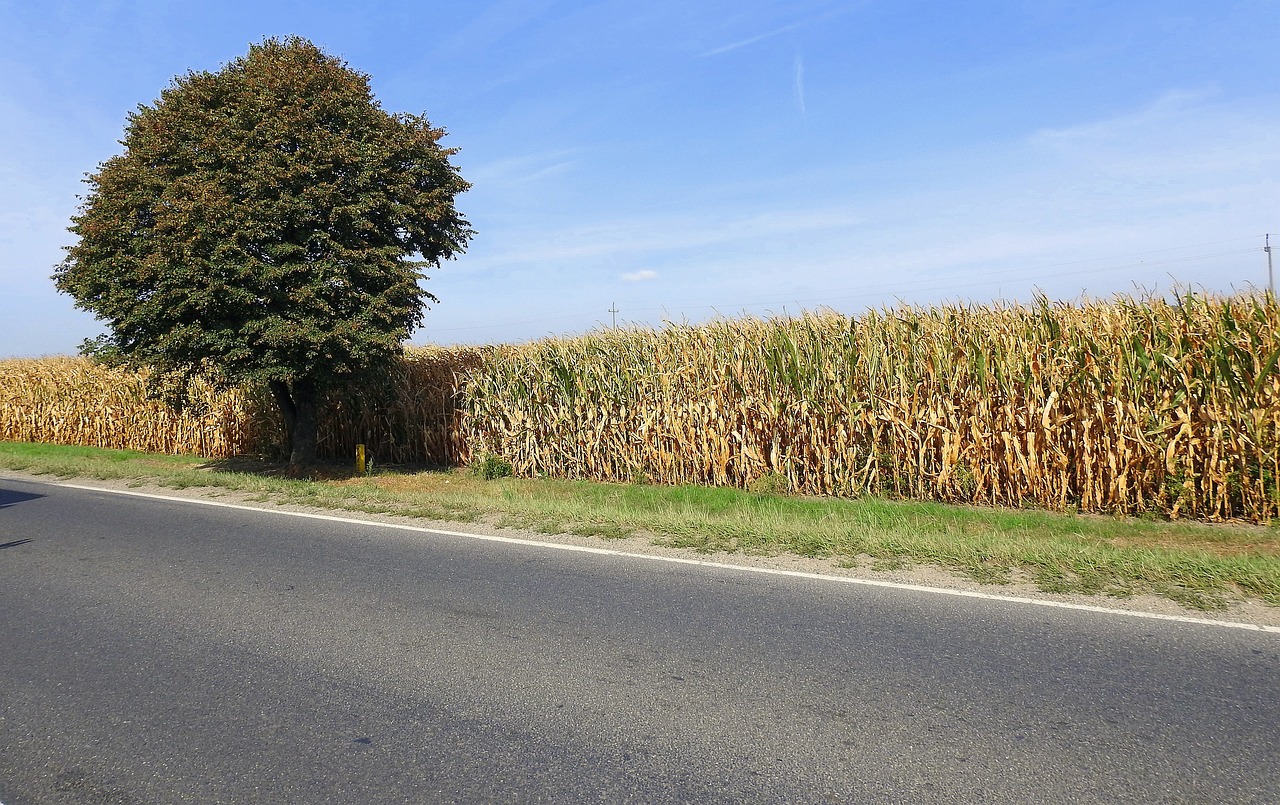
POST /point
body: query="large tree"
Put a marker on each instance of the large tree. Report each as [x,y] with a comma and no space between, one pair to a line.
[266,224]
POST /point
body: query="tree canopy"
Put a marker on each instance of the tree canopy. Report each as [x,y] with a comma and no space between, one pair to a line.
[267,223]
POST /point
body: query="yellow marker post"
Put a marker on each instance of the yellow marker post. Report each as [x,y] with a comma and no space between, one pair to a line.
[360,464]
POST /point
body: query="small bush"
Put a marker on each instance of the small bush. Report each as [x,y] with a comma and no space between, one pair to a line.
[489,467]
[771,483]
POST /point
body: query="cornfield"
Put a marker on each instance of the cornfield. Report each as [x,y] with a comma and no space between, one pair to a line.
[1122,406]
[75,401]
[411,417]
[407,418]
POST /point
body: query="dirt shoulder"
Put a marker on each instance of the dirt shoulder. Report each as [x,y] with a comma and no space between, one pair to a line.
[922,575]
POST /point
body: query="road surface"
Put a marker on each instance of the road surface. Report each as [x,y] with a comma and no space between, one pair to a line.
[159,651]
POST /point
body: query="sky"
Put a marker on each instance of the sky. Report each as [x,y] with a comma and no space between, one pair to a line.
[678,160]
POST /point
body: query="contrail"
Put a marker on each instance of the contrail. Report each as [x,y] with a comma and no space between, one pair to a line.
[823,17]
[800,86]
[750,41]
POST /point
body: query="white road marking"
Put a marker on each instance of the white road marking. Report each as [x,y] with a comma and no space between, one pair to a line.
[699,562]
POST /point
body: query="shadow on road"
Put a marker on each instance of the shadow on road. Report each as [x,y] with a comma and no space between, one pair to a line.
[13,544]
[8,497]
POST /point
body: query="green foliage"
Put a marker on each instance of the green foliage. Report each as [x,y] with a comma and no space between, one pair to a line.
[771,483]
[268,223]
[489,467]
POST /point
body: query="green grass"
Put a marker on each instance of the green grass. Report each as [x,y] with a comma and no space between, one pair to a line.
[1201,566]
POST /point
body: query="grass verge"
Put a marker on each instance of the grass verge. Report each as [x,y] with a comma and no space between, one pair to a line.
[1201,566]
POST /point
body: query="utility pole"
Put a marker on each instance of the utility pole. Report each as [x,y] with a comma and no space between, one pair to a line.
[614,311]
[1271,277]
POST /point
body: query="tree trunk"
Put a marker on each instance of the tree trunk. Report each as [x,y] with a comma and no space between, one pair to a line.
[299,405]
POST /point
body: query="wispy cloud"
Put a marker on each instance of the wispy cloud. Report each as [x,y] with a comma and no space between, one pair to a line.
[522,169]
[1182,143]
[825,16]
[647,235]
[492,25]
[799,71]
[1172,104]
[750,40]
[1094,208]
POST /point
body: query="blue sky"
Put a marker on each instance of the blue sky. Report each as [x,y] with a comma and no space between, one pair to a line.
[682,160]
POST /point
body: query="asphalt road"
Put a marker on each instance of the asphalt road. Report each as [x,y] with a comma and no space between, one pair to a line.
[165,652]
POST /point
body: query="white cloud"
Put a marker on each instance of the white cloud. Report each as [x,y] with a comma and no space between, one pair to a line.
[1162,112]
[1174,190]
[644,236]
[521,169]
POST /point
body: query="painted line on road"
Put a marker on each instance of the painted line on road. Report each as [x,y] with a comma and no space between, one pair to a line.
[681,561]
